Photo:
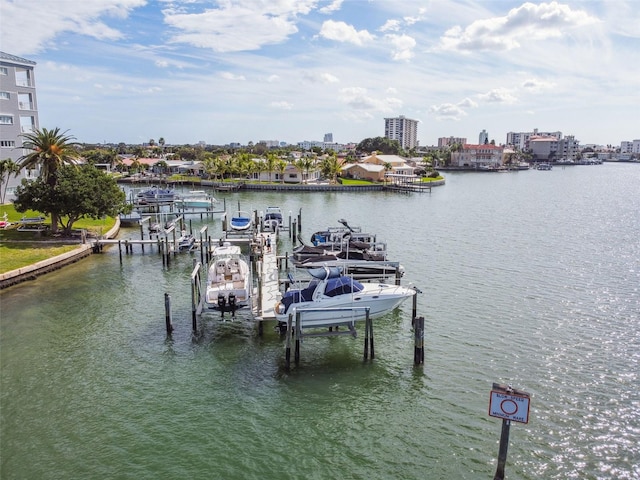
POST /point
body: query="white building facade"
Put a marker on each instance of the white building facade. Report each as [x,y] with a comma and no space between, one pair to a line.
[18,112]
[402,129]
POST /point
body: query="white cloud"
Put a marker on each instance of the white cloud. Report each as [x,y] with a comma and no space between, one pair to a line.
[498,95]
[359,98]
[390,26]
[527,22]
[467,103]
[332,7]
[403,46]
[450,111]
[45,24]
[162,63]
[231,76]
[342,32]
[535,85]
[325,78]
[240,25]
[447,111]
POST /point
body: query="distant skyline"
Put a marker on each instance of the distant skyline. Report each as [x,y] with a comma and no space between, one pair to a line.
[294,70]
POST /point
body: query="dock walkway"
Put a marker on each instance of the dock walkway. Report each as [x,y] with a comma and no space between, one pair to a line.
[268,279]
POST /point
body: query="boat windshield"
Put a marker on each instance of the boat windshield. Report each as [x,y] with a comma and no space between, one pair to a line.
[298,296]
[341,286]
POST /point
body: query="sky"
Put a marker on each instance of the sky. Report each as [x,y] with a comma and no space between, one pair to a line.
[111,71]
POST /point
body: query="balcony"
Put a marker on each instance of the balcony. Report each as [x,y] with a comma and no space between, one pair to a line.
[25,105]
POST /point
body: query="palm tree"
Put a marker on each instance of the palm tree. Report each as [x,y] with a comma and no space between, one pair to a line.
[281,166]
[272,160]
[50,149]
[331,167]
[387,168]
[7,167]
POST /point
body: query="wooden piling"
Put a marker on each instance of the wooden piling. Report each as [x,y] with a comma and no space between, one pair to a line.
[414,309]
[298,336]
[418,335]
[366,336]
[293,233]
[287,354]
[167,313]
[371,347]
[502,452]
[120,250]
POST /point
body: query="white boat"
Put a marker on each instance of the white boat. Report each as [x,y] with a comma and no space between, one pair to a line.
[272,219]
[331,298]
[157,195]
[195,199]
[228,279]
[242,221]
[186,241]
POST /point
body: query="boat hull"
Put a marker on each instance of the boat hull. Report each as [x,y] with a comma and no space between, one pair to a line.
[345,309]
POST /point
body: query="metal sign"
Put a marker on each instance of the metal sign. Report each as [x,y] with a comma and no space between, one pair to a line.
[509,404]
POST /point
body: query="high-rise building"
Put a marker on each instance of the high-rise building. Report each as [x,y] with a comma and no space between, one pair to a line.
[328,138]
[483,137]
[18,111]
[448,141]
[402,129]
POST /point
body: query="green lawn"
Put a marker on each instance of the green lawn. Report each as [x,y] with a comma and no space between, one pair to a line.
[17,255]
[19,249]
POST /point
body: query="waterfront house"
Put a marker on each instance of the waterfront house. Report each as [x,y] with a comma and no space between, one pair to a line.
[477,156]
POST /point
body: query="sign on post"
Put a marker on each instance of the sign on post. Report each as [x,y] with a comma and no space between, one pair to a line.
[509,404]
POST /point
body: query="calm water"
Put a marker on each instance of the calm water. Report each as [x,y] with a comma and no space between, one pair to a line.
[528,278]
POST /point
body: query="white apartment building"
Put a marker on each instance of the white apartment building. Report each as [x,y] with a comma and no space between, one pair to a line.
[18,111]
[630,147]
[402,129]
[520,140]
[483,137]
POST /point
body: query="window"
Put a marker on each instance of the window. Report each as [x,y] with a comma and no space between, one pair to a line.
[24,101]
[6,120]
[7,143]
[23,77]
[4,71]
[5,95]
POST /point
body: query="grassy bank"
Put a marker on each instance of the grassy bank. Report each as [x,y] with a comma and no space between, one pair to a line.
[19,249]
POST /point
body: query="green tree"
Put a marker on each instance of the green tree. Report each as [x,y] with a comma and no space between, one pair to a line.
[387,168]
[382,145]
[77,193]
[281,166]
[7,167]
[331,167]
[304,165]
[50,150]
[100,155]
[272,160]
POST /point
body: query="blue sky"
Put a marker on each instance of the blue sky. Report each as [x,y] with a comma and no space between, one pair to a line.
[293,70]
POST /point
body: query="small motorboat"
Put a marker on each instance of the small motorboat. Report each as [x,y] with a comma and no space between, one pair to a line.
[186,241]
[195,199]
[228,279]
[330,298]
[240,222]
[157,195]
[272,219]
